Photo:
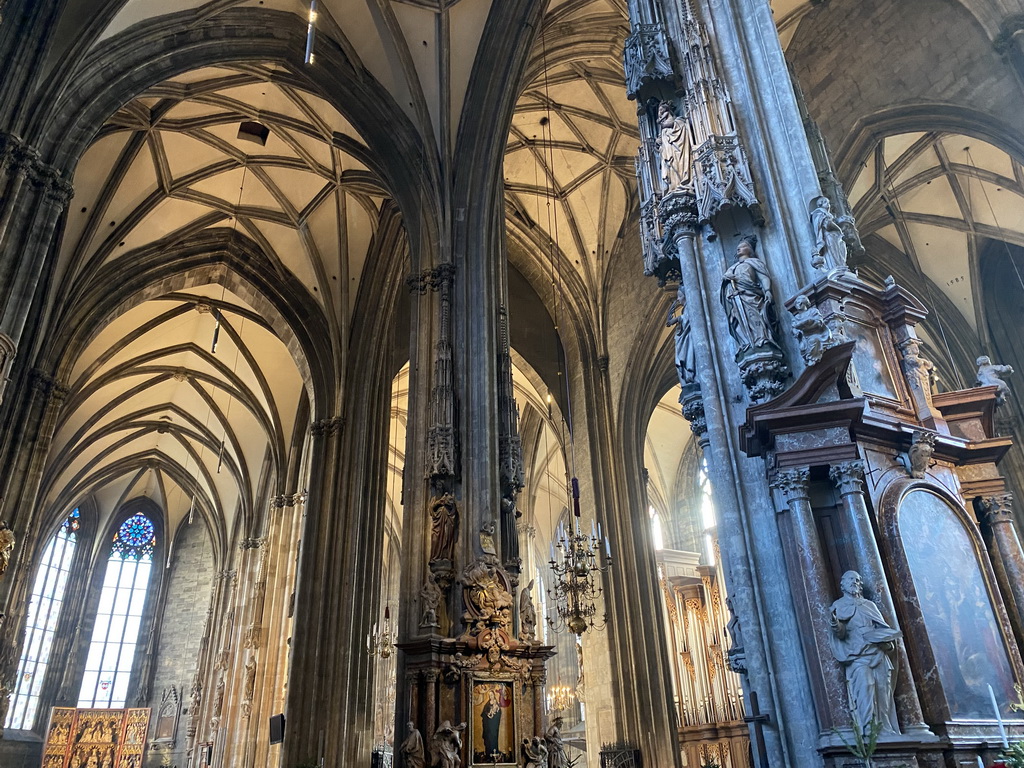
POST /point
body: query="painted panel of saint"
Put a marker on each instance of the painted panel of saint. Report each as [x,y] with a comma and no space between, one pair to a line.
[493,723]
[869,364]
[955,603]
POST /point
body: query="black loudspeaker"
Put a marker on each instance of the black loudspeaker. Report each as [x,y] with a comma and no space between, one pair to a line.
[276,729]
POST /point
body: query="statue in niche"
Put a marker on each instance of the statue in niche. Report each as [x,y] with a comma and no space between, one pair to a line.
[535,752]
[250,677]
[922,446]
[447,744]
[686,362]
[487,539]
[412,750]
[6,546]
[557,756]
[830,251]
[746,296]
[674,147]
[810,330]
[218,698]
[989,375]
[527,615]
[444,526]
[430,601]
[863,643]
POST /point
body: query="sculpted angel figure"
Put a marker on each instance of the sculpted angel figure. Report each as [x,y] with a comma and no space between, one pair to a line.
[535,752]
[746,297]
[674,147]
[989,375]
[447,744]
[686,362]
[863,642]
[830,251]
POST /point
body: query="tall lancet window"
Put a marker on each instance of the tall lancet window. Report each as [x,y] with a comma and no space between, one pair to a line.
[108,666]
[43,612]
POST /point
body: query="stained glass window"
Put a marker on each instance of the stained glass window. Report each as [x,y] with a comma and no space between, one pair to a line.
[108,666]
[43,612]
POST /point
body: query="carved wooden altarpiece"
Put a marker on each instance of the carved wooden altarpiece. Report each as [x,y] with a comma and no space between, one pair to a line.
[95,738]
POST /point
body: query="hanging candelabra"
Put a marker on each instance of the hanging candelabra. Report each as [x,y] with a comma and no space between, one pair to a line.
[381,643]
[560,698]
[577,569]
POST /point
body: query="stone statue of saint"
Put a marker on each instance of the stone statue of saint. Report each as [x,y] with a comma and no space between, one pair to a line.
[746,297]
[557,757]
[830,249]
[810,330]
[674,147]
[535,752]
[430,600]
[527,615]
[862,643]
[444,524]
[218,698]
[447,744]
[412,750]
[6,547]
[250,678]
[686,363]
[989,375]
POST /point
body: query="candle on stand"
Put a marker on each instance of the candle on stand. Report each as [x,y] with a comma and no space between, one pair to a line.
[552,552]
[999,718]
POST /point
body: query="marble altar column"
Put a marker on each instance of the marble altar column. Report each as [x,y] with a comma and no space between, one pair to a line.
[848,478]
[833,710]
[997,513]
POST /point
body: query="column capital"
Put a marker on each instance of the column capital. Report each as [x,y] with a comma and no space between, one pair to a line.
[793,483]
[678,214]
[327,427]
[997,509]
[848,476]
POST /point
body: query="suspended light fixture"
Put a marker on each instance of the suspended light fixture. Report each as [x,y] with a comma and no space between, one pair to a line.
[381,643]
[311,33]
[560,698]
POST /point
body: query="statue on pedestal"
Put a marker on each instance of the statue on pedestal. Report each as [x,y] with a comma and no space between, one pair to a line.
[444,524]
[862,643]
[686,361]
[527,615]
[830,251]
[535,752]
[675,149]
[447,744]
[989,375]
[6,547]
[746,297]
[557,757]
[430,601]
[412,751]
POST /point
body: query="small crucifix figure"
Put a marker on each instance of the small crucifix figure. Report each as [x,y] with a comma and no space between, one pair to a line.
[757,719]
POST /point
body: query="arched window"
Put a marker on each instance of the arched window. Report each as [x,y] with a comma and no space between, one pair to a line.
[108,666]
[43,613]
[657,532]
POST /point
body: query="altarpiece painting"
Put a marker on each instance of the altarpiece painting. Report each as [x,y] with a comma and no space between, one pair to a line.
[95,738]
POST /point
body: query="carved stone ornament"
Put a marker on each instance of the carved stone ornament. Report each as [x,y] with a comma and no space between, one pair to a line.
[686,362]
[674,150]
[446,745]
[997,509]
[793,483]
[848,476]
[810,330]
[693,409]
[535,752]
[918,371]
[746,297]
[920,454]
[991,375]
[488,606]
[864,644]
[527,615]
[830,251]
[736,658]
[646,57]
[722,179]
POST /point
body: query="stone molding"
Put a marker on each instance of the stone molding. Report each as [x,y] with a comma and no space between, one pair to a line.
[848,476]
[793,483]
[22,159]
[327,427]
[997,509]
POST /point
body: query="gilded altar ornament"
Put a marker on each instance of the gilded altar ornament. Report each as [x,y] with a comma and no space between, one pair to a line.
[863,643]
[810,330]
[675,149]
[686,361]
[412,749]
[487,539]
[746,296]
[446,745]
[6,546]
[989,375]
[830,250]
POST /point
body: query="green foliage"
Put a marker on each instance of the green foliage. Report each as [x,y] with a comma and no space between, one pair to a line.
[1014,756]
[864,744]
